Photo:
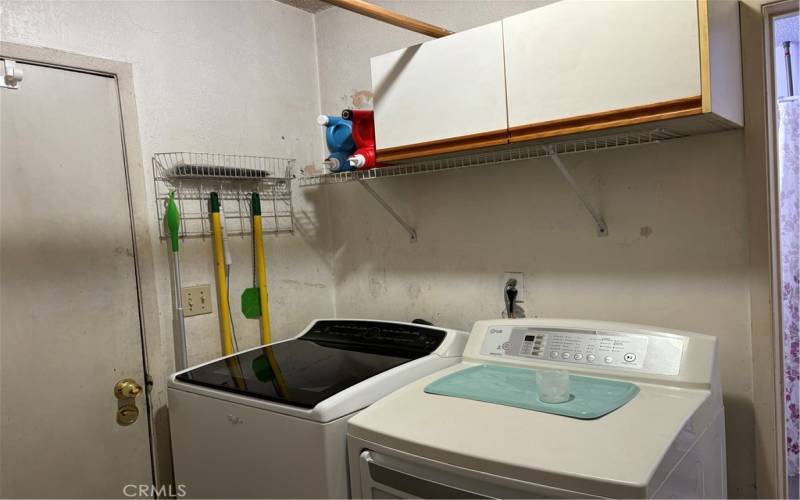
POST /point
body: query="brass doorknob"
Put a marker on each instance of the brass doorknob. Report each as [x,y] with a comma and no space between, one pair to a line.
[127,388]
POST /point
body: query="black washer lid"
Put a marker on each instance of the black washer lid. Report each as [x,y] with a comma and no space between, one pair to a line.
[330,357]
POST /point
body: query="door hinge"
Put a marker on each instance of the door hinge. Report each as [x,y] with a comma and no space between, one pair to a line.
[12,74]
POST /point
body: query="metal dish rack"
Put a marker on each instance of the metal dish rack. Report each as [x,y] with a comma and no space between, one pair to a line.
[194,176]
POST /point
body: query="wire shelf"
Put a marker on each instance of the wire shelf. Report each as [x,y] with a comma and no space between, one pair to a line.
[497,156]
[194,176]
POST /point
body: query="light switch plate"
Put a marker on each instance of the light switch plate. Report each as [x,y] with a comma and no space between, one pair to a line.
[196,300]
[520,277]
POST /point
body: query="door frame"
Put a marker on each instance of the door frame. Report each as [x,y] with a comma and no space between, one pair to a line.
[765,324]
[153,361]
[770,12]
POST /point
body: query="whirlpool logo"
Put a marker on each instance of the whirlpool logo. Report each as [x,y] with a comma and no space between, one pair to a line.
[152,491]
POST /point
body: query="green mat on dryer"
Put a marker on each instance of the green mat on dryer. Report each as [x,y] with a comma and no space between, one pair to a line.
[591,397]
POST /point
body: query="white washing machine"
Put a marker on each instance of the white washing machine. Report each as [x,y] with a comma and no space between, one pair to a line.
[270,421]
[668,441]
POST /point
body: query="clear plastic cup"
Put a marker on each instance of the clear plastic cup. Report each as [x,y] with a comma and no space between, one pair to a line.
[553,386]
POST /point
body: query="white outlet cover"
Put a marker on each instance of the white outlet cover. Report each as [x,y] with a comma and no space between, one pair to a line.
[196,300]
[520,277]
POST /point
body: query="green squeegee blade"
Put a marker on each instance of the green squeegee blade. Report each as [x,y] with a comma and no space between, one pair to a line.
[251,304]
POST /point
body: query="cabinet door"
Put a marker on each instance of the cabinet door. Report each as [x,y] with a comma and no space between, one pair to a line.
[441,96]
[575,66]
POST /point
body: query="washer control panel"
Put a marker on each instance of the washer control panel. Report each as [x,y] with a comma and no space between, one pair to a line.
[567,345]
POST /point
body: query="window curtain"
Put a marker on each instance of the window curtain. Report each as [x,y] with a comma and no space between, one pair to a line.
[789,162]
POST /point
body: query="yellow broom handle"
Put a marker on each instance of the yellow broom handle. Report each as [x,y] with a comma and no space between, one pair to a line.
[280,382]
[261,273]
[222,286]
[235,369]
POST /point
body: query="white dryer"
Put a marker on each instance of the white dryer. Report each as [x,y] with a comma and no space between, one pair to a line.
[270,422]
[668,441]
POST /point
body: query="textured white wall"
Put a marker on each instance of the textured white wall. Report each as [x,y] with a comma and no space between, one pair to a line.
[676,255]
[226,77]
[229,77]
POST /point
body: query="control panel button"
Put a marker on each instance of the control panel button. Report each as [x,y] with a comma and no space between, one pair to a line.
[611,349]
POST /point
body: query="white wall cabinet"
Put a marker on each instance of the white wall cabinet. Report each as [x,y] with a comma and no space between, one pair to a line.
[575,58]
[566,68]
[576,66]
[433,97]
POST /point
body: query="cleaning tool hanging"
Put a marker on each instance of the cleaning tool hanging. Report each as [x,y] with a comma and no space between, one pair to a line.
[261,269]
[226,246]
[234,366]
[222,284]
[173,221]
[255,300]
[266,367]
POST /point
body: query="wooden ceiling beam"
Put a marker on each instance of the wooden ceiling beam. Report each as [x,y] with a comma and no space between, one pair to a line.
[390,17]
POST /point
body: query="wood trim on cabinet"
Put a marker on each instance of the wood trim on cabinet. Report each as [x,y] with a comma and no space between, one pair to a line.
[677,108]
[705,55]
[608,119]
[443,146]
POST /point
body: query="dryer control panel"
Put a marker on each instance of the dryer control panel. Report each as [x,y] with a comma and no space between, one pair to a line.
[595,348]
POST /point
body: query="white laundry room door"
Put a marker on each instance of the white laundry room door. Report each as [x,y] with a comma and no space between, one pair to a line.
[71,359]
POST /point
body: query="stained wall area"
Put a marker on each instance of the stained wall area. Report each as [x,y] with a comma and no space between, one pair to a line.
[676,255]
[218,77]
[250,77]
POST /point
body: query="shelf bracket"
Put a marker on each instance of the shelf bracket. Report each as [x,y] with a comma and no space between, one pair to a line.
[412,233]
[602,228]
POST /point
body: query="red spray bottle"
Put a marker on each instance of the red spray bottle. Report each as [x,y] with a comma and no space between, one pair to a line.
[364,156]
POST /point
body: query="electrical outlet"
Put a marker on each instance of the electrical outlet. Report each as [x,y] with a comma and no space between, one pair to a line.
[196,300]
[520,283]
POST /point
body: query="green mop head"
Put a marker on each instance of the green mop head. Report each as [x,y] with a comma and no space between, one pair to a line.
[173,218]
